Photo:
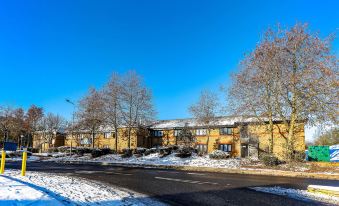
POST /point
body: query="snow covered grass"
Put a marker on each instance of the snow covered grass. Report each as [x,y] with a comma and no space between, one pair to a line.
[154,159]
[201,161]
[47,189]
[299,194]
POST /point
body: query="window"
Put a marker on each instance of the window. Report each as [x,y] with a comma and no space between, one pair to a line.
[200,132]
[106,146]
[225,147]
[157,133]
[202,148]
[177,132]
[226,130]
[107,135]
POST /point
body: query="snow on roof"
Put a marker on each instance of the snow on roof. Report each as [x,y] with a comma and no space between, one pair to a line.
[191,122]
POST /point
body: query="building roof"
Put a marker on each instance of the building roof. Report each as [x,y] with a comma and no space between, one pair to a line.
[191,122]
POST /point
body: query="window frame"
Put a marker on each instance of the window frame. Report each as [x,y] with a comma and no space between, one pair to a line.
[158,133]
[226,131]
[177,132]
[107,135]
[201,132]
[225,147]
[201,148]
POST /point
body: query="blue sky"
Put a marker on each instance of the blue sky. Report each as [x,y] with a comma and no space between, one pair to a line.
[52,50]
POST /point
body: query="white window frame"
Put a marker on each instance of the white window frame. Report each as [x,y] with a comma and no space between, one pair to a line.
[177,132]
[201,132]
[107,135]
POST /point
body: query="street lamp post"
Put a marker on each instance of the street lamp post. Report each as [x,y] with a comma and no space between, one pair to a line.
[72,103]
[21,137]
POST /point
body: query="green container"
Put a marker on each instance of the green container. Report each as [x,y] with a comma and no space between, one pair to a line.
[319,153]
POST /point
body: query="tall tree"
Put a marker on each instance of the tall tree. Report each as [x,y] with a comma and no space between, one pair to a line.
[137,106]
[302,74]
[205,111]
[53,125]
[113,102]
[254,85]
[33,117]
[18,129]
[6,121]
[91,112]
[329,137]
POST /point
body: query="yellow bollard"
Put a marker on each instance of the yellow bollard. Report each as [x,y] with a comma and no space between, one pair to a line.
[3,159]
[23,167]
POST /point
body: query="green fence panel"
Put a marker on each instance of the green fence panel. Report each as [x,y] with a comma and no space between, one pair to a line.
[319,153]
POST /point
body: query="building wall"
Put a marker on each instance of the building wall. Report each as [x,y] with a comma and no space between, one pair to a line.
[279,140]
[138,139]
[40,143]
[257,132]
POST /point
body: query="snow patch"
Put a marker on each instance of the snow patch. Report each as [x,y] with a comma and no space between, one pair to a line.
[298,194]
[65,189]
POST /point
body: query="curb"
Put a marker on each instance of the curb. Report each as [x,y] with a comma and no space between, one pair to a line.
[278,173]
[332,191]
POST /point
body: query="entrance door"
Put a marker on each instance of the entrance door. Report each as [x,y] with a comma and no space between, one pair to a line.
[244,150]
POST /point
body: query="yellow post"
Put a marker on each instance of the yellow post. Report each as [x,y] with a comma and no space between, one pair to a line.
[23,167]
[3,159]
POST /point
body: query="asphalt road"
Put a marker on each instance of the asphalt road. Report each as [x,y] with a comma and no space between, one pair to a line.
[182,187]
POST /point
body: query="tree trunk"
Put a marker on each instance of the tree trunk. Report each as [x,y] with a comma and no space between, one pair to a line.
[116,140]
[271,136]
[93,136]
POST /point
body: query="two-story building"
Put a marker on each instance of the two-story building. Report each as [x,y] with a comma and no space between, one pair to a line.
[237,135]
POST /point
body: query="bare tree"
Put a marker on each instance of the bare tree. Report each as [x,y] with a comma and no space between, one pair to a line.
[137,106]
[53,124]
[18,129]
[6,121]
[91,112]
[33,117]
[113,102]
[291,75]
[254,85]
[205,110]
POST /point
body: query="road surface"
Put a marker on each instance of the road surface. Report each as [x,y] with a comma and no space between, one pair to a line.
[183,187]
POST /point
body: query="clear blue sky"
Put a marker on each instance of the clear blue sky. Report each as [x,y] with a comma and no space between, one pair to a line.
[53,49]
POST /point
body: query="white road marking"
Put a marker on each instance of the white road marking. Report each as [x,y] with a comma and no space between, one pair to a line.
[92,172]
[192,173]
[186,181]
[118,173]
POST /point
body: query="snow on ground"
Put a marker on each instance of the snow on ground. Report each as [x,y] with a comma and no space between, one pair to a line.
[16,193]
[299,194]
[154,159]
[47,189]
[29,159]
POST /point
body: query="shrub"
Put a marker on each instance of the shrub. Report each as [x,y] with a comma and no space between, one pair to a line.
[173,147]
[63,149]
[52,150]
[96,153]
[127,153]
[218,154]
[270,160]
[164,151]
[106,151]
[299,156]
[150,151]
[184,152]
[139,151]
